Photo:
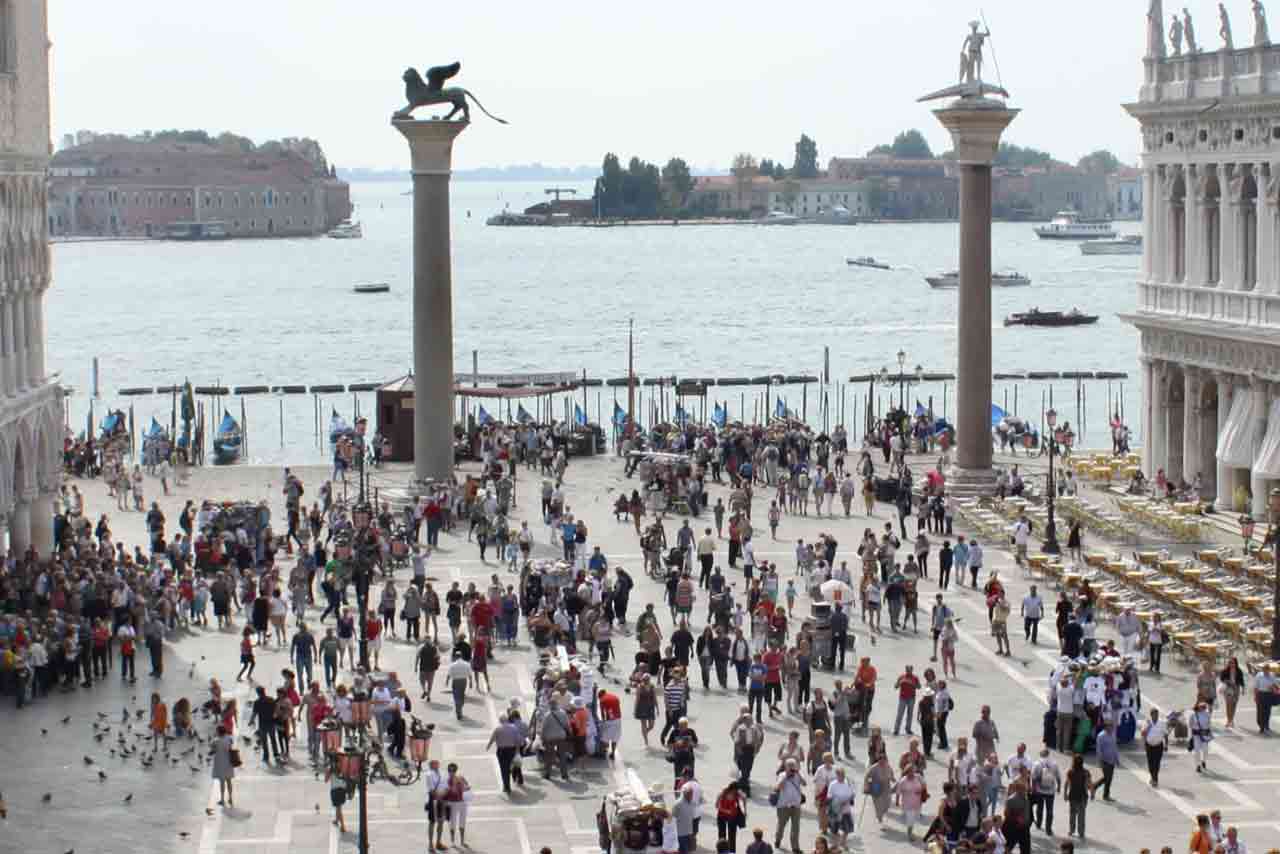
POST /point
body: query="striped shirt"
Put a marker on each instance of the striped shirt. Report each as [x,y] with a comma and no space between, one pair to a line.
[674,695]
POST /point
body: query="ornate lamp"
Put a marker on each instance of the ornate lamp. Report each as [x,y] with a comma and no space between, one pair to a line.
[1050,545]
[350,764]
[361,516]
[330,737]
[919,373]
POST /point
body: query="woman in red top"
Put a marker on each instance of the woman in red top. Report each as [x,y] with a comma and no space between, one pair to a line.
[480,661]
[247,661]
[772,660]
[610,720]
[731,812]
[373,630]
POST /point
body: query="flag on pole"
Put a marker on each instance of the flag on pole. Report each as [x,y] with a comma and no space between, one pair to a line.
[780,408]
[681,417]
[521,415]
[484,417]
[579,416]
[719,416]
[997,414]
[619,415]
[920,410]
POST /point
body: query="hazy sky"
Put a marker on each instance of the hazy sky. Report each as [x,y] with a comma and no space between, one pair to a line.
[701,80]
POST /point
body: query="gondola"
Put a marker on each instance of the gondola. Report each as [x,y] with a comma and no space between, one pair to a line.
[1036,317]
[227,441]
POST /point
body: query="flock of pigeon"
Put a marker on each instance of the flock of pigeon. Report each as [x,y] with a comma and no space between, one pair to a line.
[133,739]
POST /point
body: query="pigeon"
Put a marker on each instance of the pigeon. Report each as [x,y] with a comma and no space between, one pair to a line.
[182,834]
[140,713]
[317,808]
[113,751]
[192,673]
[102,777]
[208,811]
[195,769]
[88,760]
[4,811]
[46,798]
[44,733]
[66,720]
[99,737]
[124,717]
[128,799]
[102,716]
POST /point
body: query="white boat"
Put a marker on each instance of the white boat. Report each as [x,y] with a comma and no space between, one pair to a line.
[346,230]
[778,218]
[835,215]
[1127,244]
[1067,225]
[867,261]
[998,280]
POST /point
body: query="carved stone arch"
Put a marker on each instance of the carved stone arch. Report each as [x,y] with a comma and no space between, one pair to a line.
[47,465]
[24,460]
[6,483]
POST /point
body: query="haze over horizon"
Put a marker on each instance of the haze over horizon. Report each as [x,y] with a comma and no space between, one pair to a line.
[684,80]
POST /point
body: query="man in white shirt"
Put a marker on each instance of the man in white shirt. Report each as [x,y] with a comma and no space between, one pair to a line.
[1032,611]
[706,557]
[459,673]
[1153,738]
[1128,625]
[1046,782]
[1264,694]
[1021,536]
[748,558]
[1018,764]
[1064,697]
[437,785]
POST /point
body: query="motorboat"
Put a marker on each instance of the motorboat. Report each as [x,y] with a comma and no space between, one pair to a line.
[1036,317]
[998,280]
[227,441]
[835,215]
[867,261]
[1126,244]
[778,218]
[372,288]
[508,218]
[1067,225]
[346,230]
[212,230]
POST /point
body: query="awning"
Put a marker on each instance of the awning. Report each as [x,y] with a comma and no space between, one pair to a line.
[1268,462]
[1235,442]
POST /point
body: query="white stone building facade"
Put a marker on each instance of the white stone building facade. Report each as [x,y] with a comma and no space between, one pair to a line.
[31,420]
[1209,290]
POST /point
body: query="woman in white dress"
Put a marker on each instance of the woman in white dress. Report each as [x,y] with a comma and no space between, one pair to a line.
[840,796]
[1201,735]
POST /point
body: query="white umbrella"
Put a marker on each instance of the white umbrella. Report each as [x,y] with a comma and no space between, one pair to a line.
[836,591]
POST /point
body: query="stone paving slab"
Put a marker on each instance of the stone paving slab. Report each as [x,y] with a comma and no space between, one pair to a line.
[276,811]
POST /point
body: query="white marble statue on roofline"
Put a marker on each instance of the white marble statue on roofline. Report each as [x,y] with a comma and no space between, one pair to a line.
[970,85]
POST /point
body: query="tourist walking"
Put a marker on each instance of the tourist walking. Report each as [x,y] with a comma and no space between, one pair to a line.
[788,794]
[1079,785]
[225,759]
[1154,735]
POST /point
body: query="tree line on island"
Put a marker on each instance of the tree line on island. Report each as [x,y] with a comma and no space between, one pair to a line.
[645,190]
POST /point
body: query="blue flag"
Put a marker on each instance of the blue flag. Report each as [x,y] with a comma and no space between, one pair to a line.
[780,409]
[920,410]
[719,416]
[522,416]
[996,414]
[681,417]
[578,415]
[484,417]
[619,415]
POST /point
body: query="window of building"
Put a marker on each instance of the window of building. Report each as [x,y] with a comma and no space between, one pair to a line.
[8,38]
[304,222]
[288,199]
[253,223]
[288,221]
[235,200]
[253,200]
[174,200]
[267,199]
[304,198]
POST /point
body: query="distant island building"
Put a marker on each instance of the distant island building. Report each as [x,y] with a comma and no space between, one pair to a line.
[180,183]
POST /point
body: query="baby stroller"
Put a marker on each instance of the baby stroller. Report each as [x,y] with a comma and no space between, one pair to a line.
[675,559]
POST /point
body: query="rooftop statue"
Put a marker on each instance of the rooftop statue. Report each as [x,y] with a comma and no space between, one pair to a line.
[1260,37]
[1175,36]
[970,85]
[419,93]
[1155,33]
[1189,32]
[1224,27]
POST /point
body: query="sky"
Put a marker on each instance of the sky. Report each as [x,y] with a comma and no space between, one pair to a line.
[701,80]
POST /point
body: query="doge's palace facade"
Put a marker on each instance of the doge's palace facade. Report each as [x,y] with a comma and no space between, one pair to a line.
[1209,290]
[31,421]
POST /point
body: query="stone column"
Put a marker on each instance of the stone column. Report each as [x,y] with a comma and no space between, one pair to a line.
[20,339]
[1191,380]
[7,357]
[1158,404]
[20,523]
[1266,233]
[1150,187]
[35,353]
[975,124]
[1229,228]
[1258,387]
[1158,236]
[431,153]
[1194,211]
[41,524]
[1226,396]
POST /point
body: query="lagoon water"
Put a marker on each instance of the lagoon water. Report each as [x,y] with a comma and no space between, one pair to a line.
[710,301]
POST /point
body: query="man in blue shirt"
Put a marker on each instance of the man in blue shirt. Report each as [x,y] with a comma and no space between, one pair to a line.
[1109,756]
[598,562]
[756,674]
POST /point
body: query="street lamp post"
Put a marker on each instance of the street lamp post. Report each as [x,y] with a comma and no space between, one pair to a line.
[902,380]
[356,756]
[362,540]
[1050,545]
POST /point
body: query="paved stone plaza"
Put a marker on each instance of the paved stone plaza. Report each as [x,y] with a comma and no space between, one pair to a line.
[173,808]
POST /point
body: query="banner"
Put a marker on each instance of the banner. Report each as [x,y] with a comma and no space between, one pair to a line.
[681,416]
[780,409]
[719,416]
[997,415]
[619,416]
[484,417]
[578,415]
[522,416]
